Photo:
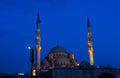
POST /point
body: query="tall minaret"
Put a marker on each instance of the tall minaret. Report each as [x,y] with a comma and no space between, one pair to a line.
[90,44]
[38,40]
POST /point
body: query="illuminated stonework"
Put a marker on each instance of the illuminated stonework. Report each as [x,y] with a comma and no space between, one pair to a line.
[38,40]
[61,64]
[58,56]
[90,44]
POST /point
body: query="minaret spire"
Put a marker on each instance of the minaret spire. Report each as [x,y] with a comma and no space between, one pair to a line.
[88,23]
[90,44]
[38,18]
[38,41]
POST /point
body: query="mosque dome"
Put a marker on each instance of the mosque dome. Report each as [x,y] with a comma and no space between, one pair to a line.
[58,56]
[57,49]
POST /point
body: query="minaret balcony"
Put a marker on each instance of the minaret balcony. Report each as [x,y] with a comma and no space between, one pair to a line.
[90,43]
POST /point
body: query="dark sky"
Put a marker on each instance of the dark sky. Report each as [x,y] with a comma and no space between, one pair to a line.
[63,22]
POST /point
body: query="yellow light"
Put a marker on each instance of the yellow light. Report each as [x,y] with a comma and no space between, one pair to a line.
[89,43]
[34,72]
[90,50]
[38,47]
[91,59]
[78,64]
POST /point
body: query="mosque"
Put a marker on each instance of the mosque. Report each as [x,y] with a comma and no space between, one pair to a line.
[61,64]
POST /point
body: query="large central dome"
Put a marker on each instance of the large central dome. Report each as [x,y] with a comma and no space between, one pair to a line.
[57,49]
[58,56]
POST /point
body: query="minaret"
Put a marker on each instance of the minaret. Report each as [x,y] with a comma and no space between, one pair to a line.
[90,44]
[38,40]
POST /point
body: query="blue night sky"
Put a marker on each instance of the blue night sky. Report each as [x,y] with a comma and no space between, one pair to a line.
[63,22]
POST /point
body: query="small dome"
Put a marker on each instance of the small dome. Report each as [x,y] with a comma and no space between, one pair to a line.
[45,63]
[58,49]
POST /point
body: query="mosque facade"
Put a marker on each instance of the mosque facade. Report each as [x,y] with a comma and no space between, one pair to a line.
[61,64]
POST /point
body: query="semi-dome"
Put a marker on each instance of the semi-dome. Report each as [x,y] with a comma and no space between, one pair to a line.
[58,48]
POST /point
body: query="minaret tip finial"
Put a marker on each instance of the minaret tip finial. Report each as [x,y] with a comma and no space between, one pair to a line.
[88,21]
[38,18]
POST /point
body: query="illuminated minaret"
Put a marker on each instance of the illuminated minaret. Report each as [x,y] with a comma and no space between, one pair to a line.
[38,40]
[90,44]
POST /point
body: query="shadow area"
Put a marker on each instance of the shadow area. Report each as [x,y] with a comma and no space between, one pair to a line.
[106,75]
